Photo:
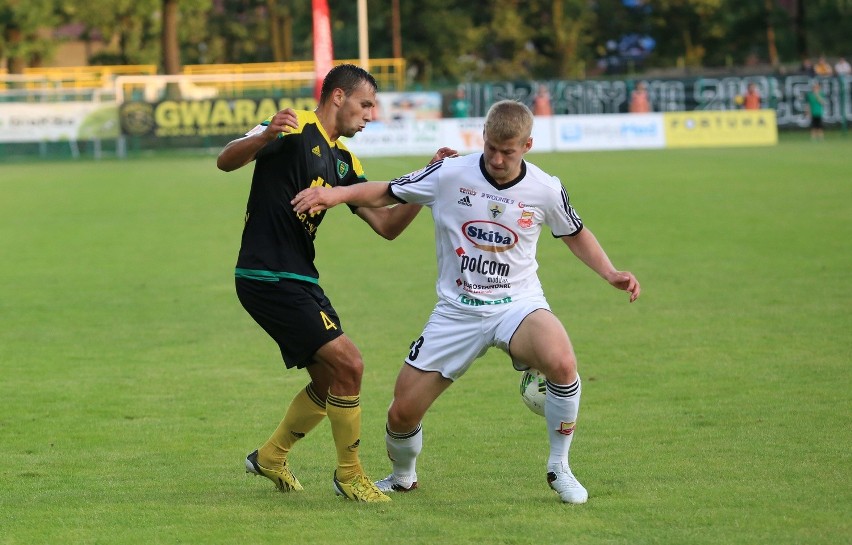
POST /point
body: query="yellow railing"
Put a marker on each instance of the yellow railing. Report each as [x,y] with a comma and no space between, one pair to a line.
[83,77]
[389,73]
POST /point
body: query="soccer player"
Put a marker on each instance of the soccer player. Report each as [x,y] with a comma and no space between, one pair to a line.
[489,209]
[277,281]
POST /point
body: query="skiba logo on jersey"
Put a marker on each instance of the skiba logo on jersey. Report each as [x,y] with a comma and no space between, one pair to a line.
[489,235]
[342,168]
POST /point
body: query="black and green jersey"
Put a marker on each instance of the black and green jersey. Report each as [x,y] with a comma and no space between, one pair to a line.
[277,243]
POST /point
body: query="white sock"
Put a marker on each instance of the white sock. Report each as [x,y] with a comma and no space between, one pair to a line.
[403,449]
[561,406]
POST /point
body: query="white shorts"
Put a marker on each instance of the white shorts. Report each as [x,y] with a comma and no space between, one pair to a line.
[453,338]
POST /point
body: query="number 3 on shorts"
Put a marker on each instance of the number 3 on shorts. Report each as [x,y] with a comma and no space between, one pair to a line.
[415,348]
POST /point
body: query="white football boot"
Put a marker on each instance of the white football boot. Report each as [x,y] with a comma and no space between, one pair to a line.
[560,479]
[392,483]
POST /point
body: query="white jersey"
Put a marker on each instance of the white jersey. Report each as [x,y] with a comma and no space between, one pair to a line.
[485,233]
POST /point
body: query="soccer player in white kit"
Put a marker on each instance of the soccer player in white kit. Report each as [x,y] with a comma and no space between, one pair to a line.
[489,209]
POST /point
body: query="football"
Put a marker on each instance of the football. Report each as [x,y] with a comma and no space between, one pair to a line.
[533,390]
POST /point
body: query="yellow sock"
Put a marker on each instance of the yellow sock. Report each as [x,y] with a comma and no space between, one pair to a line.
[305,412]
[344,414]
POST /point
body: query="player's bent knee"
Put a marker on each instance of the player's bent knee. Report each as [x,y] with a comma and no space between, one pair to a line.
[563,372]
[401,421]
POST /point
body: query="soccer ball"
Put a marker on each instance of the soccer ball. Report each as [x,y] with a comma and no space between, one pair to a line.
[533,389]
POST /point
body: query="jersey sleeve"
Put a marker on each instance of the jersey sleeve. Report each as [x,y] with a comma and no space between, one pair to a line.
[420,186]
[561,216]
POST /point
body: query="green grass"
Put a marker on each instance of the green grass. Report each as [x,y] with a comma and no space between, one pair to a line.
[716,409]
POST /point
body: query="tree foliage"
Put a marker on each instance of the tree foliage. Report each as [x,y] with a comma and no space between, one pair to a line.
[443,41]
[21,42]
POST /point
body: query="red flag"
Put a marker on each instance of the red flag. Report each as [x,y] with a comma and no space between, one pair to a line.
[323,48]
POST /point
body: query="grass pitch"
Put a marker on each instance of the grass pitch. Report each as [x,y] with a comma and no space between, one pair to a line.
[716,409]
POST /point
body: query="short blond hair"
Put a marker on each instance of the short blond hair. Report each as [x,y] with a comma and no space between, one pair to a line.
[508,120]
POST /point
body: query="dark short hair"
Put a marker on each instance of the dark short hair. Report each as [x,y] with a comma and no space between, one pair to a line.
[347,77]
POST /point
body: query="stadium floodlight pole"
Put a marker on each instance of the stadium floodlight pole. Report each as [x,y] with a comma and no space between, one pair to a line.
[363,38]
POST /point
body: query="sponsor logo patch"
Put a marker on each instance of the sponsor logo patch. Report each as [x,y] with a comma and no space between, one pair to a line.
[465,201]
[465,300]
[490,236]
[497,198]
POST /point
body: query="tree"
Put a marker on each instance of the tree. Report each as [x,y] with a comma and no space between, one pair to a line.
[169,32]
[20,41]
[572,24]
[132,25]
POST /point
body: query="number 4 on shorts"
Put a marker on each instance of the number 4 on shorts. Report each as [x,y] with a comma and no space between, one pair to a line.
[327,321]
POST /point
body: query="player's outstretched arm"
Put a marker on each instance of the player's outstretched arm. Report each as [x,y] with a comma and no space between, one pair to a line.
[367,194]
[586,247]
[242,151]
[390,222]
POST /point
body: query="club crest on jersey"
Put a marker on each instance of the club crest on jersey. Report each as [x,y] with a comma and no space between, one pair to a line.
[495,209]
[342,168]
[489,236]
[526,220]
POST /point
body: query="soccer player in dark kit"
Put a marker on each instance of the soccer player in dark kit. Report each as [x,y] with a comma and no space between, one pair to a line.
[278,283]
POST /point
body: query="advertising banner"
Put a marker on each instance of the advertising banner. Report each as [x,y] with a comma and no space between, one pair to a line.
[56,122]
[415,105]
[202,117]
[721,128]
[608,132]
[403,137]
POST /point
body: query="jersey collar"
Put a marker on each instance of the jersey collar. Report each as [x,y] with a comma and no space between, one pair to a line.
[494,183]
[322,130]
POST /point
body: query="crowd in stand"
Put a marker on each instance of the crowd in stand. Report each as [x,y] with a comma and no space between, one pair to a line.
[823,68]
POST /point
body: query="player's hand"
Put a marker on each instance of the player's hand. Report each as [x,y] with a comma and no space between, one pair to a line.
[443,153]
[624,280]
[314,199]
[284,121]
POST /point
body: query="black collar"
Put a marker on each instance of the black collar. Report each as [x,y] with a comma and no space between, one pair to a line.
[494,183]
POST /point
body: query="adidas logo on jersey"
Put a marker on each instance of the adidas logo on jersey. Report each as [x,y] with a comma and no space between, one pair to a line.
[465,201]
[316,151]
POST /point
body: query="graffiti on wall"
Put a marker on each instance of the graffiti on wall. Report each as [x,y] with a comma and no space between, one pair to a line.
[784,94]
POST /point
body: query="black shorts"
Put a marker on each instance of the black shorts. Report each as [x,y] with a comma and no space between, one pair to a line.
[297,315]
[816,122]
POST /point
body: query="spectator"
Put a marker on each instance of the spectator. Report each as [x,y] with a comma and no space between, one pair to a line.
[639,101]
[822,68]
[752,98]
[816,106]
[460,107]
[541,102]
[842,67]
[807,67]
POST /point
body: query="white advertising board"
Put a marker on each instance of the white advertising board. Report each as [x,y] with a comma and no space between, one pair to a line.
[60,121]
[608,132]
